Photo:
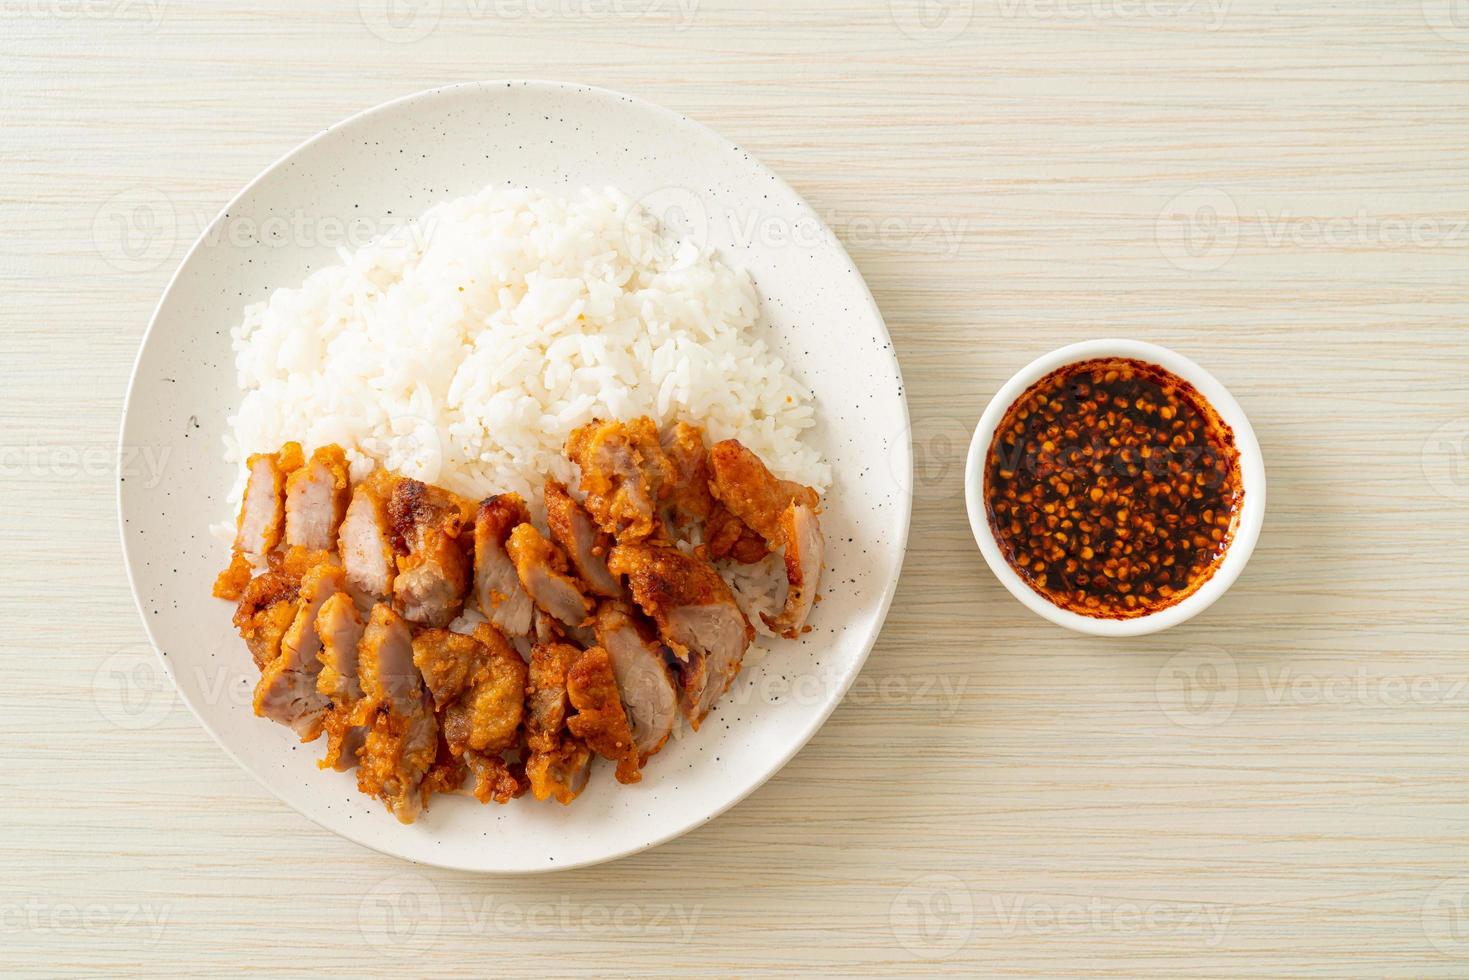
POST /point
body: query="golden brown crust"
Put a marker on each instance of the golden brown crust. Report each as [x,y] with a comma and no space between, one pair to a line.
[573,530]
[743,483]
[664,580]
[445,775]
[543,570]
[600,720]
[398,754]
[232,581]
[624,475]
[557,761]
[432,530]
[435,706]
[495,779]
[688,496]
[726,536]
[448,662]
[341,736]
[486,716]
[265,611]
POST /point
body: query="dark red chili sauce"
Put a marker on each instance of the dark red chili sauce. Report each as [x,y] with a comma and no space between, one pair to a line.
[1113,488]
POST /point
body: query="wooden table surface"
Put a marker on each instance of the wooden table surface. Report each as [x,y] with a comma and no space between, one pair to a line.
[1280,787]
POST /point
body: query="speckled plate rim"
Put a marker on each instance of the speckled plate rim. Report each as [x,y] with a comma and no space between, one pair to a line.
[904,475]
[1252,472]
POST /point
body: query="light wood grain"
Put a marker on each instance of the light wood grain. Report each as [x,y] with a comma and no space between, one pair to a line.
[997,796]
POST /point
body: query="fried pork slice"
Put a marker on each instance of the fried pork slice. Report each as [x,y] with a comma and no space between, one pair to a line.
[497,588]
[448,662]
[445,775]
[557,762]
[624,475]
[572,529]
[365,540]
[485,720]
[478,684]
[643,677]
[340,629]
[784,513]
[286,692]
[696,615]
[265,612]
[397,756]
[433,577]
[690,500]
[804,548]
[385,667]
[688,497]
[262,512]
[542,568]
[726,536]
[751,492]
[486,716]
[316,498]
[600,720]
[403,739]
[692,606]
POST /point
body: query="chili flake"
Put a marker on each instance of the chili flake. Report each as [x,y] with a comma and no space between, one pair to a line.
[1113,488]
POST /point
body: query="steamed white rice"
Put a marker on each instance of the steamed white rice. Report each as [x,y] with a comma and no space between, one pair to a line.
[463,348]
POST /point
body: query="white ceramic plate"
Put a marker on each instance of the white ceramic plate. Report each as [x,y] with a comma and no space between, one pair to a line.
[391,163]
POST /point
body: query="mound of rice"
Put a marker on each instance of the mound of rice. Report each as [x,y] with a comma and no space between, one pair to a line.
[462,349]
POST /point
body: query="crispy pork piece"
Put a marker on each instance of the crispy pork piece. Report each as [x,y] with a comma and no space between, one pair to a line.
[478,683]
[445,775]
[804,550]
[689,499]
[262,513]
[403,740]
[497,588]
[385,667]
[557,763]
[266,610]
[485,720]
[286,692]
[494,778]
[340,629]
[365,540]
[397,756]
[433,576]
[316,498]
[486,716]
[297,561]
[600,720]
[751,492]
[232,581]
[624,475]
[344,740]
[572,529]
[542,568]
[784,513]
[726,536]
[447,661]
[647,686]
[696,615]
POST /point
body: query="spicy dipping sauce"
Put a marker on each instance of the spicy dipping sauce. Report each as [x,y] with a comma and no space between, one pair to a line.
[1113,488]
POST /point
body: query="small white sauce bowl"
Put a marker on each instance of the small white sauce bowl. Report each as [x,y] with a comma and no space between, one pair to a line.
[1252,473]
